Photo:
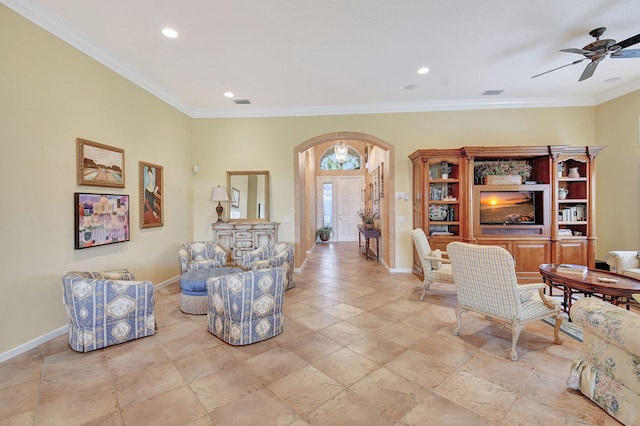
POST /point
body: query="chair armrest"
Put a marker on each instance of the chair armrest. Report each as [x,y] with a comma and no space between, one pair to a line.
[119,274]
[619,260]
[609,322]
[437,259]
[540,287]
[532,286]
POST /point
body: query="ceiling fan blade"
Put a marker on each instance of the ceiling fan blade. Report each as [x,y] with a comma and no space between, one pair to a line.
[629,42]
[555,69]
[629,53]
[590,68]
[579,51]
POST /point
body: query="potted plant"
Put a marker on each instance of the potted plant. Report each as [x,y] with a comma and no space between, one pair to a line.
[506,172]
[324,233]
[368,217]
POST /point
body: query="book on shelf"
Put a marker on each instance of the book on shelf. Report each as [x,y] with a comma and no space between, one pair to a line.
[566,268]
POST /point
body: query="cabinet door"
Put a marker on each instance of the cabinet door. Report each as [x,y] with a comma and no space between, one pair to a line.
[264,238]
[572,251]
[224,239]
[531,254]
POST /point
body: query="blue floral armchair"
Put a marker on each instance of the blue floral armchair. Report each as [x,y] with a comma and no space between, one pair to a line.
[201,254]
[107,308]
[246,307]
[608,370]
[272,256]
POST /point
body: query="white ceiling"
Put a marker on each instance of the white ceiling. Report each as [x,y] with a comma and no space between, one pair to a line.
[315,57]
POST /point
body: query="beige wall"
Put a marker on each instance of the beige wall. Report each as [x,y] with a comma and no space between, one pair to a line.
[52,94]
[268,143]
[618,175]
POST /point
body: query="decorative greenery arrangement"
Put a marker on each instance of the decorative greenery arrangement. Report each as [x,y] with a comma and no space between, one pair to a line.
[324,233]
[503,168]
[368,215]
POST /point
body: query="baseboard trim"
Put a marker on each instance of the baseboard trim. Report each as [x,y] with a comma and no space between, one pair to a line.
[33,343]
[167,282]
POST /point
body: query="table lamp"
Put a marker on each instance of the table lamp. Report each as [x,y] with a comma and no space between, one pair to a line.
[219,194]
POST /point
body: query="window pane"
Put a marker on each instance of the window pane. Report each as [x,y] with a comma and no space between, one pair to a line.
[327,205]
[328,160]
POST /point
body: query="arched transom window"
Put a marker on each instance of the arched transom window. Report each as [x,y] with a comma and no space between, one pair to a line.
[329,160]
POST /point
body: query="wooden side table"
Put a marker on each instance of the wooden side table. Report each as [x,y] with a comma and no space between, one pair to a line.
[368,234]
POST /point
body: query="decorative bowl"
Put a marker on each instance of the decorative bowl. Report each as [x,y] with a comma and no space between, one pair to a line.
[438,212]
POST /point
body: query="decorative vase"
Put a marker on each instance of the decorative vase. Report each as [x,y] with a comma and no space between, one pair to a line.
[368,225]
[562,193]
[502,180]
[573,172]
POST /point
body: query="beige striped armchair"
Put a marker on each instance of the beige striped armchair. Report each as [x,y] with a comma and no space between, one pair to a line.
[486,283]
[434,266]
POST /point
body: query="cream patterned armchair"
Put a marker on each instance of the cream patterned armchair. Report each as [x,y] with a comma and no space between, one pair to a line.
[624,262]
[486,283]
[107,308]
[608,370]
[434,267]
[272,256]
[201,254]
[246,307]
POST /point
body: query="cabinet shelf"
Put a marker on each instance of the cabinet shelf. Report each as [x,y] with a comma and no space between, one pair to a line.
[573,201]
[568,179]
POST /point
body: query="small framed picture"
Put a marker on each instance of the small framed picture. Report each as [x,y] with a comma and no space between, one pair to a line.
[235,198]
[99,164]
[151,195]
[100,219]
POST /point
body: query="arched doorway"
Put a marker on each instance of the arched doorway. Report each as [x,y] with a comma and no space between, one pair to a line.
[305,172]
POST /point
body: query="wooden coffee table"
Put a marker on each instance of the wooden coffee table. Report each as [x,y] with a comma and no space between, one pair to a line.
[615,288]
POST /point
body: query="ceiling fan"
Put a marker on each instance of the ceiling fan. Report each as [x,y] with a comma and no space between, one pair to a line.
[598,50]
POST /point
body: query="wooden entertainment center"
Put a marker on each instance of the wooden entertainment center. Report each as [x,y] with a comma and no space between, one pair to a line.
[550,218]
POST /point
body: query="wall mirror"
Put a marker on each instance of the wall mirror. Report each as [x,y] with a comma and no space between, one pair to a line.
[248,195]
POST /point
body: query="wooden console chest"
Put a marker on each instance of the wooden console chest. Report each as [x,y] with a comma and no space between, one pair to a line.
[240,237]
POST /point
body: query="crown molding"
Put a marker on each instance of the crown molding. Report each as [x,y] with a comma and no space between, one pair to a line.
[53,24]
[387,108]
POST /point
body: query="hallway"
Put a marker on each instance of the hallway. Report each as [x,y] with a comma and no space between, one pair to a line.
[358,348]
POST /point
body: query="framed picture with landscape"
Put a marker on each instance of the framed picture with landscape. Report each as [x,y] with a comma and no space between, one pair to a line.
[151,191]
[99,164]
[100,219]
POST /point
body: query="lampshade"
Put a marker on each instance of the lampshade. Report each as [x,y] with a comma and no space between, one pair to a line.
[219,193]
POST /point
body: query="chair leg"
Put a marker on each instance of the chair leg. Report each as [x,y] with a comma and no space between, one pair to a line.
[516,328]
[557,340]
[459,310]
[425,286]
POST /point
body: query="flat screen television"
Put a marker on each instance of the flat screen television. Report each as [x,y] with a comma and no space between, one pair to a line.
[507,207]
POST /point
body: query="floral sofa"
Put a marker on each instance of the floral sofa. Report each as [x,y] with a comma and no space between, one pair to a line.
[246,307]
[608,370]
[625,262]
[271,256]
[107,308]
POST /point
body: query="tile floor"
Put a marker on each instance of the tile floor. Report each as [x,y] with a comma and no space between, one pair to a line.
[358,348]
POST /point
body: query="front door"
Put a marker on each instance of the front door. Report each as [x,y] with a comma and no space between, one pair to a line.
[349,201]
[339,199]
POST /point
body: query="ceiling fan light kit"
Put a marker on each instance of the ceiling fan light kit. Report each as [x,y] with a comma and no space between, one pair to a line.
[598,50]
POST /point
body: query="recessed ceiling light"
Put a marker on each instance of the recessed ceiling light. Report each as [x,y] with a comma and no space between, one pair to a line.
[170,32]
[423,70]
[228,94]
